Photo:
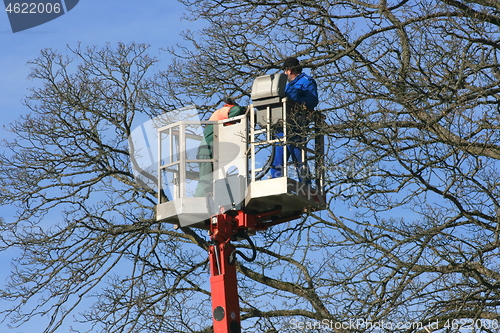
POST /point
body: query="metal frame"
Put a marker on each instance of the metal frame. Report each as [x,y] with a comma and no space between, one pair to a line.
[181,161]
[315,155]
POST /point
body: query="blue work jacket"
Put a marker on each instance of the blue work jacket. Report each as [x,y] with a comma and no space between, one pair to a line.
[303,89]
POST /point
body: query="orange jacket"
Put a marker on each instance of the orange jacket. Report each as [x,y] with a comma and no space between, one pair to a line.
[222,113]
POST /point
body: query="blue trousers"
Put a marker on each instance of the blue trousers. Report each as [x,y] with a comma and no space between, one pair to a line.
[293,151]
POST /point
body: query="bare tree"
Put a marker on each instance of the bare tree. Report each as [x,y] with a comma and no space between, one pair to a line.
[411,95]
[84,220]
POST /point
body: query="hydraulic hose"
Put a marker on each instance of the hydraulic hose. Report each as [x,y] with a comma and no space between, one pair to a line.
[232,256]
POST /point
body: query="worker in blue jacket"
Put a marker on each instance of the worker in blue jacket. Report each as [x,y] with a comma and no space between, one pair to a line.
[302,94]
[301,88]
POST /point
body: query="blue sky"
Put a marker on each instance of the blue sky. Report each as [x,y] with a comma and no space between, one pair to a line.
[91,22]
